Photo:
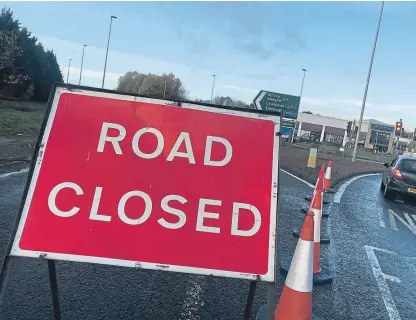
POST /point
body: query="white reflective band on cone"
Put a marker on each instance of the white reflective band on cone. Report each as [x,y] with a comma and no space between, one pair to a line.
[300,276]
[317,228]
[316,212]
[327,173]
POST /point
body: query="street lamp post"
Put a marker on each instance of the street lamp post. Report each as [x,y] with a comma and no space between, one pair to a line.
[357,138]
[108,44]
[69,67]
[82,63]
[303,82]
[213,83]
[300,97]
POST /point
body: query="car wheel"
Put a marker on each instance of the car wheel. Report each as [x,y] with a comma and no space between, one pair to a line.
[389,194]
[382,185]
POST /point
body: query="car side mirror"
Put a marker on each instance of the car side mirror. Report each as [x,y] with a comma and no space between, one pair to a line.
[386,165]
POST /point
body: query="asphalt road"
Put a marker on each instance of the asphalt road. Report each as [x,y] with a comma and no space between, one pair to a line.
[373,250]
[90,291]
[372,253]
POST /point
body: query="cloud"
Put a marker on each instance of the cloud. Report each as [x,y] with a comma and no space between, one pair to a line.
[400,107]
[399,8]
[260,76]
[290,41]
[229,86]
[90,73]
[245,26]
[197,80]
[312,102]
[349,102]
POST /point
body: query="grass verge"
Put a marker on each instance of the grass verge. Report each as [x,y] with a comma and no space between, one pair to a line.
[20,118]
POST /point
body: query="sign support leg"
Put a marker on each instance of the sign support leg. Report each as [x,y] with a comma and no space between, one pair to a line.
[250,299]
[4,275]
[54,290]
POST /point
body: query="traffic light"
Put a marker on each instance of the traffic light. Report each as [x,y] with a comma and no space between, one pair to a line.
[356,129]
[414,135]
[349,125]
[398,128]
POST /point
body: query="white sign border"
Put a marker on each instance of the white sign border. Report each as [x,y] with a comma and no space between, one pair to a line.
[268,277]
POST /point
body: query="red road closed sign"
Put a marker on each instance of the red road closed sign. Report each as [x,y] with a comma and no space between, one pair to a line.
[131,181]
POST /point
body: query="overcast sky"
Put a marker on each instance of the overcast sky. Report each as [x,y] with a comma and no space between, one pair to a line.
[249,46]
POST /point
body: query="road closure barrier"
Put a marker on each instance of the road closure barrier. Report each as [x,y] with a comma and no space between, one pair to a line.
[150,177]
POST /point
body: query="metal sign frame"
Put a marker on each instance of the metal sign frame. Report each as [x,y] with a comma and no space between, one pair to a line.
[13,249]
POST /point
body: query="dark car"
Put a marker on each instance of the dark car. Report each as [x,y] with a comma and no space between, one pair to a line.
[399,177]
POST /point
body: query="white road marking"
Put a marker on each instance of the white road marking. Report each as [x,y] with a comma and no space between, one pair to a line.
[391,278]
[4,175]
[193,298]
[380,218]
[393,225]
[341,190]
[382,283]
[409,224]
[301,180]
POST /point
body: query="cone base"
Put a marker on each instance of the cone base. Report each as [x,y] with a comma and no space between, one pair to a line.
[324,239]
[323,277]
[262,313]
[305,210]
[309,198]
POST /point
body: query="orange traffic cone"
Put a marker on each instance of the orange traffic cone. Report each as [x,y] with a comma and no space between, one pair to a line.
[319,185]
[318,182]
[296,300]
[327,177]
[310,198]
[320,175]
[316,208]
[317,198]
[320,275]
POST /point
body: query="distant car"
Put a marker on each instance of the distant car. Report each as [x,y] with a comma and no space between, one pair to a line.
[399,177]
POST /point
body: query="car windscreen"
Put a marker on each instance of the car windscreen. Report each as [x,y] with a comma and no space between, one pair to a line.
[408,165]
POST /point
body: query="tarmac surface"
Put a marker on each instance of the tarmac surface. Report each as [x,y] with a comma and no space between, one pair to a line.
[372,254]
[373,250]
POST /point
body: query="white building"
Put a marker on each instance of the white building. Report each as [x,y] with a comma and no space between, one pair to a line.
[320,128]
[373,134]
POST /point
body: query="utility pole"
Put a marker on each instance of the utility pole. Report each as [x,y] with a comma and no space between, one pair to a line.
[367,83]
[164,91]
[108,44]
[82,63]
[69,67]
[212,90]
